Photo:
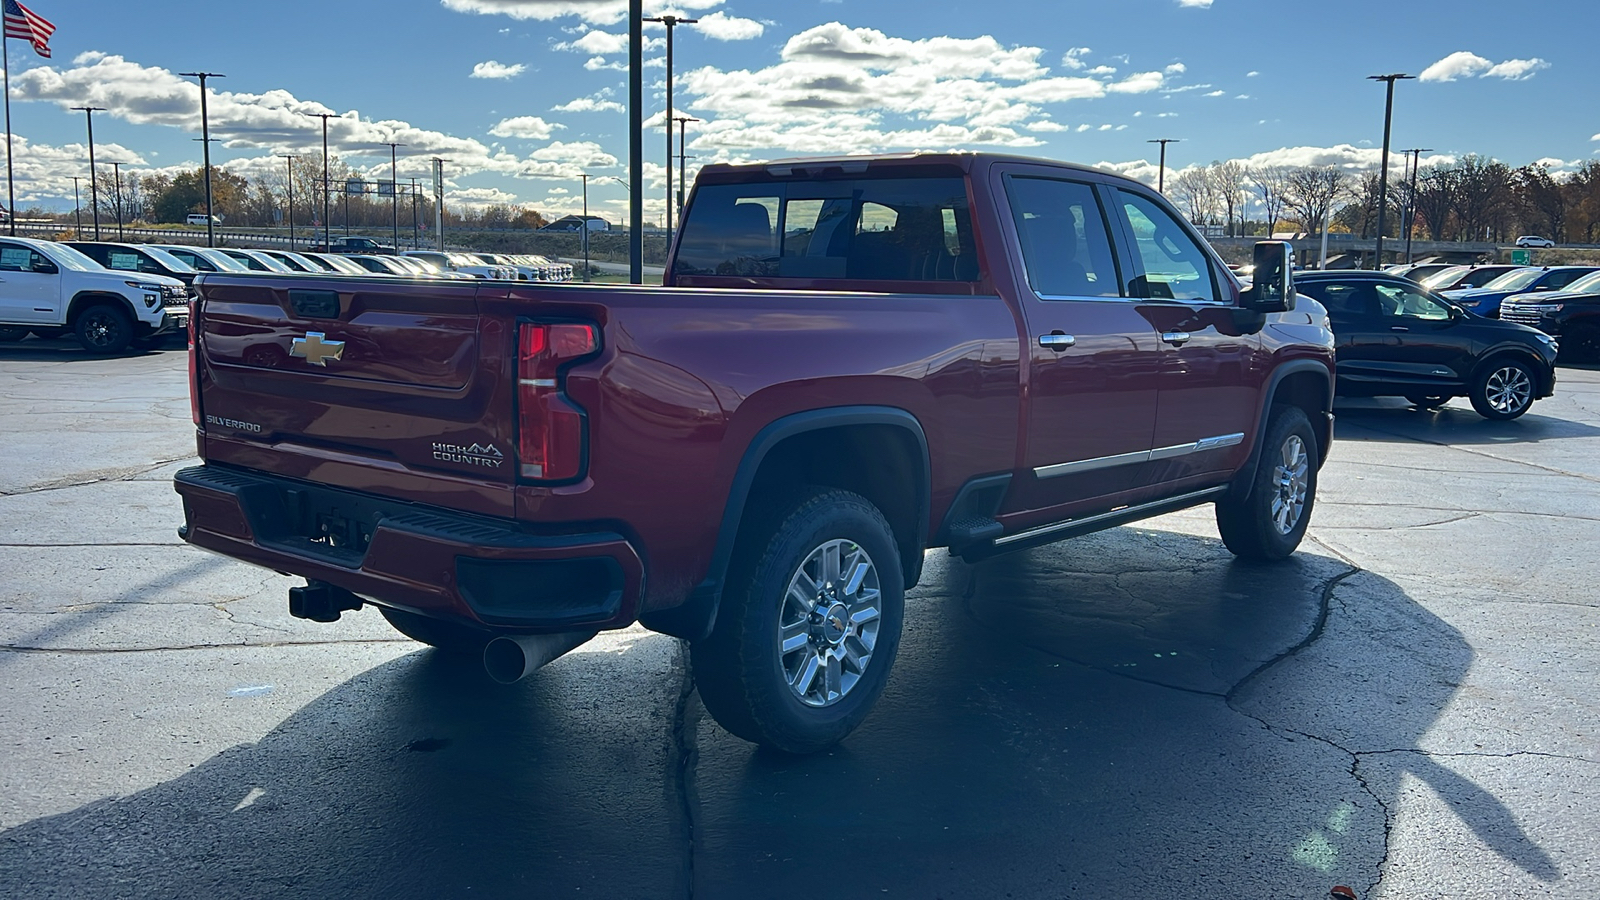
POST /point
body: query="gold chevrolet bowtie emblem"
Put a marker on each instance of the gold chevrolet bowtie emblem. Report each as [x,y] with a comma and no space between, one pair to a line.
[316,349]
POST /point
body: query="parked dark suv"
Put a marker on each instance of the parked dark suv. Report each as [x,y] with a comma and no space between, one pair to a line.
[1395,338]
[136,258]
[1571,315]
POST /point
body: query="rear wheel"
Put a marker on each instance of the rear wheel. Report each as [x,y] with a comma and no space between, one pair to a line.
[809,625]
[1503,390]
[449,637]
[1268,522]
[105,329]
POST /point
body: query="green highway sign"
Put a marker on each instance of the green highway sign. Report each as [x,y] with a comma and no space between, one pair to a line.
[1522,257]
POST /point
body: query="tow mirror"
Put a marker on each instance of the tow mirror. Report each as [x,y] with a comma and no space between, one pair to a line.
[1272,288]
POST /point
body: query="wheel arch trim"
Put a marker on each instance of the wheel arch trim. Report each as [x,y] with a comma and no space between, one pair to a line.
[1323,429]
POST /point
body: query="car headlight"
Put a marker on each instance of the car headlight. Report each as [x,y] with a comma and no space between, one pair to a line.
[144,286]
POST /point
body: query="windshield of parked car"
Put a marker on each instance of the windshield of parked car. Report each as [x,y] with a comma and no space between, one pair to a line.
[70,257]
[1514,281]
[168,260]
[1446,277]
[1588,284]
[223,261]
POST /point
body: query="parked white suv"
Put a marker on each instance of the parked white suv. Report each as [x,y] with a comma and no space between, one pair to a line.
[49,288]
[1533,240]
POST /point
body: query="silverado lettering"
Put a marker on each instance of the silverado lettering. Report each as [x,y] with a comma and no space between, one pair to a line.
[850,362]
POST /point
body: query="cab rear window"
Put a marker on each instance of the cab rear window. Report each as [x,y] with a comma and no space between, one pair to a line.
[869,229]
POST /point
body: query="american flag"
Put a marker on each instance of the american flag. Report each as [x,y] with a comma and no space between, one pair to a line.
[22,22]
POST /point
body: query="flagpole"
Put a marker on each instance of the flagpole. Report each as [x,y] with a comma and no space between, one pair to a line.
[11,185]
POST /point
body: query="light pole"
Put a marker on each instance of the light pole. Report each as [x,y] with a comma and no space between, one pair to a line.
[1161,175]
[205,141]
[1383,166]
[636,141]
[671,22]
[683,127]
[1411,199]
[394,191]
[327,241]
[438,201]
[289,162]
[116,182]
[94,182]
[77,210]
[585,232]
[416,222]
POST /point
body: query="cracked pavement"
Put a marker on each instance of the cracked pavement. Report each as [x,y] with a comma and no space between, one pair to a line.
[1406,707]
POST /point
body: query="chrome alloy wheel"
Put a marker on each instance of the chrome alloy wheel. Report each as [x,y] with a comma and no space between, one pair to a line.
[1508,389]
[828,625]
[1290,479]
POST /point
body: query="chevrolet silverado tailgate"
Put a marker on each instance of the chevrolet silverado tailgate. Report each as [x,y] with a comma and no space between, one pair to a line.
[392,388]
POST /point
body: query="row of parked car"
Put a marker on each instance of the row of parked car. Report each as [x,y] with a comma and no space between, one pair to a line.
[1561,301]
[115,295]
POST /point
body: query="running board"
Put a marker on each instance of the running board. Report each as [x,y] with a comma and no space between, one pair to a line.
[1060,531]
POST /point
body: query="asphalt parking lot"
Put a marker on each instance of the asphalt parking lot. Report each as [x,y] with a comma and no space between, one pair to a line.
[1407,707]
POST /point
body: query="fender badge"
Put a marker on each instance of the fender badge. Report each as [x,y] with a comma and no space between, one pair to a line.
[315,349]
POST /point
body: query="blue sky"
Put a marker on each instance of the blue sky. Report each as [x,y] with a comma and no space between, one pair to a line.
[1087,82]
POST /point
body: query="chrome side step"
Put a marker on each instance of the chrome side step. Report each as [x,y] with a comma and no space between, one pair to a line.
[1071,528]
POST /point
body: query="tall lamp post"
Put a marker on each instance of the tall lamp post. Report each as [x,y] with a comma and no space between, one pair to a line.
[438,200]
[94,183]
[585,232]
[289,161]
[1411,198]
[205,141]
[683,127]
[327,241]
[116,183]
[1383,165]
[635,141]
[1161,175]
[77,209]
[671,22]
[394,191]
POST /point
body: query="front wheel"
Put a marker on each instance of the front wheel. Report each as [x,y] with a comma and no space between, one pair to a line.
[809,625]
[1268,522]
[105,330]
[1503,390]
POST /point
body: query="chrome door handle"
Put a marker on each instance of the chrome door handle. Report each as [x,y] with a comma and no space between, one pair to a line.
[1057,341]
[1176,337]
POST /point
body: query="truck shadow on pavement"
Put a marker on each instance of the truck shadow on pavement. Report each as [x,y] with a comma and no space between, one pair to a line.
[1127,715]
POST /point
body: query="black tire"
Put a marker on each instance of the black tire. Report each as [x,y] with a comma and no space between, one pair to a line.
[104,329]
[1425,401]
[1580,343]
[741,671]
[12,332]
[1269,521]
[1503,389]
[448,637]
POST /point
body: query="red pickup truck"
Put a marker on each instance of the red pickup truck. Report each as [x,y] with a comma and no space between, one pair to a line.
[851,361]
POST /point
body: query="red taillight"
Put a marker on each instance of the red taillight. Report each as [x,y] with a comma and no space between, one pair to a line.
[194,368]
[549,426]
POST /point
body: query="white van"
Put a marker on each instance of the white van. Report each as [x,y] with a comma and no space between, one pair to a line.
[202,218]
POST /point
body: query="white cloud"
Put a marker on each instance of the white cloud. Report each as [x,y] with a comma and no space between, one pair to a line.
[1102,70]
[529,128]
[1177,69]
[1251,74]
[590,104]
[1213,93]
[1197,4]
[598,43]
[599,12]
[492,69]
[1138,83]
[1073,59]
[478,198]
[1516,69]
[585,154]
[1046,125]
[596,63]
[1463,64]
[723,27]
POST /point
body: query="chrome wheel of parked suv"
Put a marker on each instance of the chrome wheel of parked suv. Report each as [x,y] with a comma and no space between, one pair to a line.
[1265,518]
[808,626]
[1503,390]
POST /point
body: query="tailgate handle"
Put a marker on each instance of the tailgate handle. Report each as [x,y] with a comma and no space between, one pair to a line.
[315,304]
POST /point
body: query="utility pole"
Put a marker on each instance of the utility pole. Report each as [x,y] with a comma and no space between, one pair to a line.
[416,226]
[77,210]
[205,141]
[438,201]
[327,241]
[289,161]
[683,127]
[116,182]
[635,141]
[671,22]
[1411,200]
[585,232]
[394,192]
[1161,176]
[1383,166]
[94,186]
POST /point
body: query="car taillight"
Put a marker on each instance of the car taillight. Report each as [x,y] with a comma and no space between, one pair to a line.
[550,428]
[194,368]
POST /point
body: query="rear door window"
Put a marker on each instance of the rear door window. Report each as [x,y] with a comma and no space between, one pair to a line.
[867,229]
[1066,246]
